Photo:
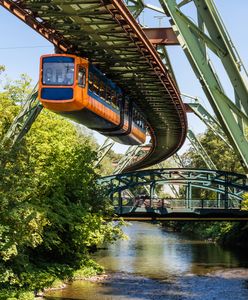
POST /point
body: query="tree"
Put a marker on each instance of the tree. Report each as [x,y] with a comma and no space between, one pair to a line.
[225,159]
[52,211]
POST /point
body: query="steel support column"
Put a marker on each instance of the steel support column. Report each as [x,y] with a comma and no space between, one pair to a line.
[131,152]
[152,193]
[24,120]
[103,150]
[193,40]
[135,6]
[206,118]
[189,195]
[120,201]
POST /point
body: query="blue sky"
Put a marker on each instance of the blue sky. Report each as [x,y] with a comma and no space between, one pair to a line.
[21,47]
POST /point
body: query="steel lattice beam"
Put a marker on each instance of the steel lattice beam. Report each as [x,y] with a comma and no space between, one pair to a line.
[24,120]
[195,42]
[103,150]
[210,121]
[200,150]
[107,34]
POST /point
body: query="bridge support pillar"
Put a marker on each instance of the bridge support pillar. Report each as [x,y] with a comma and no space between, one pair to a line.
[189,195]
[120,202]
[218,198]
[226,193]
[152,193]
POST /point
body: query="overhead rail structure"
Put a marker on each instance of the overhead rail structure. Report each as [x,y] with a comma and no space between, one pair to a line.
[106,33]
[208,34]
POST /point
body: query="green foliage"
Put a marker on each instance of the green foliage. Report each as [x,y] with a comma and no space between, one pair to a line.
[2,69]
[245,202]
[52,212]
[18,90]
[7,294]
[224,159]
[90,268]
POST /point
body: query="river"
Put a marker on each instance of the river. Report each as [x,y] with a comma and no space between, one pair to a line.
[156,264]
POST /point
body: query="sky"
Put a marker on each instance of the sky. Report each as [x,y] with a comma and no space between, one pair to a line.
[21,48]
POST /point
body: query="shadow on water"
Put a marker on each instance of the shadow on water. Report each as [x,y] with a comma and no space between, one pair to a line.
[154,264]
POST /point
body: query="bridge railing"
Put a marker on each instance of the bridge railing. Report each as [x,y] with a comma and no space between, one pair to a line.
[163,206]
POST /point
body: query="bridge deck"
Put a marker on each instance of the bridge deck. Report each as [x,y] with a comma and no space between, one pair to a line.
[105,32]
[215,215]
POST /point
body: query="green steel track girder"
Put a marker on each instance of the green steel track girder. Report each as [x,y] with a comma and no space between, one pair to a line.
[106,33]
[211,122]
[131,152]
[194,42]
[178,160]
[103,150]
[23,121]
[135,6]
[200,150]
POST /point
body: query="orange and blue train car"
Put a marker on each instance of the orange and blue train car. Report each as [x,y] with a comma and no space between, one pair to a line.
[72,87]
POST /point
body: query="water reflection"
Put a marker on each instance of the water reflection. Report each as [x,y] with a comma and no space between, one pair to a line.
[153,263]
[155,253]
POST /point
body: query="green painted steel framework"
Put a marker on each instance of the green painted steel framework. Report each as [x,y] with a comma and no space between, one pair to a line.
[227,187]
[210,34]
[195,41]
[109,34]
[106,33]
[23,121]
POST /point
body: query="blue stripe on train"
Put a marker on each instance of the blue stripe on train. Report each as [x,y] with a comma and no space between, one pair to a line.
[56,93]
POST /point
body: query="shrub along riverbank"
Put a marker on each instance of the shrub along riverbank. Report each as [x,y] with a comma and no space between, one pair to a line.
[52,212]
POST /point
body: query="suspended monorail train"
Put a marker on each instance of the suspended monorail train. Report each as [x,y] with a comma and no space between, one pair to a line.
[72,87]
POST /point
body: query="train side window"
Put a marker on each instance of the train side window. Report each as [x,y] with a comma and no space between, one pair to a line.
[102,90]
[81,76]
[114,99]
[108,94]
[96,85]
[91,81]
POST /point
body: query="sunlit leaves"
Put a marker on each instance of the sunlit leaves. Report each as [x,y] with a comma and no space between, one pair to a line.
[51,208]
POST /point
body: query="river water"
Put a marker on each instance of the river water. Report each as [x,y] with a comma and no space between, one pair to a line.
[156,264]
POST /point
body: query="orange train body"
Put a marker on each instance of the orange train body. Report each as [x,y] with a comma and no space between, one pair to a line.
[72,87]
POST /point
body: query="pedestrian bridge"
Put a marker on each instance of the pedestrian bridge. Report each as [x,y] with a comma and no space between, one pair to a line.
[197,194]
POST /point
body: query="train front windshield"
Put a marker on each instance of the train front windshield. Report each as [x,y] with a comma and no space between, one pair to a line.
[58,70]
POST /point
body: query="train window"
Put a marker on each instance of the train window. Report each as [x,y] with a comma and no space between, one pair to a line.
[114,99]
[81,76]
[108,94]
[58,70]
[95,84]
[102,90]
[91,81]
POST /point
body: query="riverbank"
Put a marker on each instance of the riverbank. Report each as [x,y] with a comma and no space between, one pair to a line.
[220,284]
[155,264]
[232,234]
